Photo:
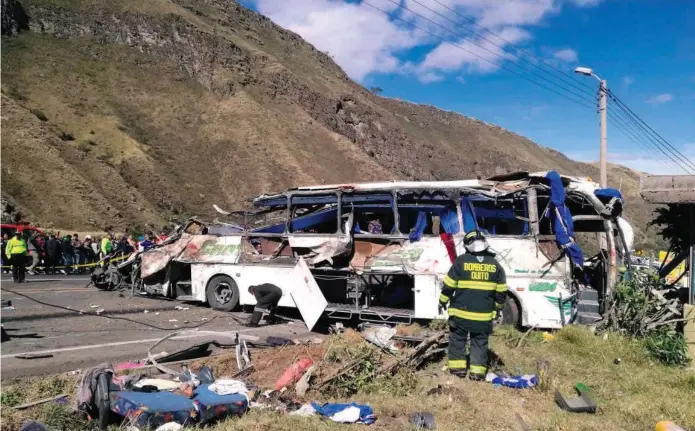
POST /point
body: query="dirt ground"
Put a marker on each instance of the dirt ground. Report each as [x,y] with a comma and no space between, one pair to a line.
[632,394]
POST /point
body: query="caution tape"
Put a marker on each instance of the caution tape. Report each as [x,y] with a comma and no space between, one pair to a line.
[85,265]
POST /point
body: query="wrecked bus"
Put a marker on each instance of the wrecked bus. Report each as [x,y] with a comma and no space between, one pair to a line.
[379,251]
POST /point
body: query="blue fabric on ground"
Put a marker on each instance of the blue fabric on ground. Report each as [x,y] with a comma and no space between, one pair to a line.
[153,409]
[367,415]
[518,382]
[213,406]
[157,408]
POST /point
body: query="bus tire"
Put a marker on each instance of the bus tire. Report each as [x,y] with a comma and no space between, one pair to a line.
[511,313]
[222,293]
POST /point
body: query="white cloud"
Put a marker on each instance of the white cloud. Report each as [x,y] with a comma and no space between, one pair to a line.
[461,79]
[640,160]
[364,41]
[361,39]
[661,98]
[428,77]
[627,81]
[482,56]
[569,55]
[585,3]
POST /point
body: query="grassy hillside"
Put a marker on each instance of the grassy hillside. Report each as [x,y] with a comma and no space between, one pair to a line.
[130,112]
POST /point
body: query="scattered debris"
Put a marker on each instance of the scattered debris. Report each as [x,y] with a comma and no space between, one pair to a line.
[180,308]
[4,334]
[9,308]
[518,382]
[41,401]
[293,373]
[278,341]
[381,336]
[346,413]
[302,385]
[423,420]
[173,320]
[667,426]
[33,426]
[243,357]
[94,306]
[35,356]
[617,361]
[583,404]
[99,311]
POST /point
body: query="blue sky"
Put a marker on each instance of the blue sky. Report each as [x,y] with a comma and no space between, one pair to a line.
[645,49]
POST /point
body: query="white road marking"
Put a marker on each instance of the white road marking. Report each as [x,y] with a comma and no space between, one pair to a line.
[119,343]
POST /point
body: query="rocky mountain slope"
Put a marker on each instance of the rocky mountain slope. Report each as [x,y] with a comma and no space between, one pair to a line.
[123,112]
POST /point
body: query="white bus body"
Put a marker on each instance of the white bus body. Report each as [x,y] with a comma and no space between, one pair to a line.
[327,256]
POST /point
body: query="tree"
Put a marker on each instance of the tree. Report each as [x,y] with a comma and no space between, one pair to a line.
[375,90]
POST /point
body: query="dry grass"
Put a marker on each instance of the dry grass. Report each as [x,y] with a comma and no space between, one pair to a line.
[633,395]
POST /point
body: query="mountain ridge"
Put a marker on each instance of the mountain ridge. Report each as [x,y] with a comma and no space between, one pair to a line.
[160,109]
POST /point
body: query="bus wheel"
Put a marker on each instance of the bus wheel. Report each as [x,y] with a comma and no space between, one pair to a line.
[510,312]
[222,293]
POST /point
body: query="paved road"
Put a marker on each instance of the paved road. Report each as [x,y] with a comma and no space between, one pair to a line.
[78,341]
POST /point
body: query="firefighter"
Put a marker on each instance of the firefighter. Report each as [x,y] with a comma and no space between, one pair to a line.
[475,289]
[267,298]
[16,249]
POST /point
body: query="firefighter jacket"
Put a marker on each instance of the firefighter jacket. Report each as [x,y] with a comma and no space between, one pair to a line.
[16,246]
[475,289]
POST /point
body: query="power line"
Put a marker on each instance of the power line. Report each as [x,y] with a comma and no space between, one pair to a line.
[644,126]
[647,140]
[620,117]
[560,73]
[639,139]
[501,66]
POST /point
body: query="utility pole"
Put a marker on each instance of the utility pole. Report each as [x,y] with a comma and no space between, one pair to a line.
[602,107]
[604,149]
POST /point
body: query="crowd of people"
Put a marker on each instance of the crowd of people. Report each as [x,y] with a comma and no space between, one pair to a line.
[52,254]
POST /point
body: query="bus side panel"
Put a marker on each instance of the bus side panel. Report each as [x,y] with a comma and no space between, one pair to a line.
[427,290]
[533,281]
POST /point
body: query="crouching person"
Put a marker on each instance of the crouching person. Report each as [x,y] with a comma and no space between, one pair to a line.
[267,299]
[475,289]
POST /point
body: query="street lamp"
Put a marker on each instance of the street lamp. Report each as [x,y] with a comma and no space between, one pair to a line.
[602,110]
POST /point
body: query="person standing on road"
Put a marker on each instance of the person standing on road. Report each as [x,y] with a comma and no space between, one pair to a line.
[33,252]
[5,258]
[96,245]
[475,288]
[267,299]
[106,246]
[78,252]
[87,250]
[53,254]
[68,253]
[17,251]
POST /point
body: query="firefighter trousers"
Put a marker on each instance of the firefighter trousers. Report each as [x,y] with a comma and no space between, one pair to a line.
[463,358]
